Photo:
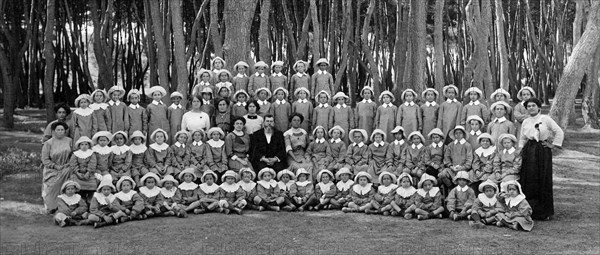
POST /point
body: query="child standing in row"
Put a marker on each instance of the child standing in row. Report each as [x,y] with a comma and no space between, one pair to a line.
[117,109]
[277,79]
[429,111]
[84,119]
[366,110]
[300,79]
[323,112]
[303,106]
[98,104]
[338,149]
[137,116]
[409,113]
[175,114]
[281,110]
[449,111]
[157,110]
[259,79]
[83,167]
[474,107]
[322,80]
[343,115]
[385,117]
[241,80]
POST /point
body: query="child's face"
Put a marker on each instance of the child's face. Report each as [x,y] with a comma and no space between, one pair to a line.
[513,191]
[474,96]
[427,185]
[246,177]
[222,106]
[325,178]
[302,177]
[176,100]
[168,185]
[499,111]
[217,64]
[405,182]
[137,140]
[119,140]
[386,180]
[341,100]
[507,143]
[526,95]
[277,69]
[485,143]
[436,138]
[302,95]
[197,136]
[150,183]
[223,77]
[260,69]
[500,97]
[262,95]
[336,134]
[285,178]
[229,179]
[300,68]
[188,177]
[241,69]
[430,96]
[224,92]
[322,98]
[206,96]
[241,97]
[252,108]
[106,190]
[296,122]
[126,186]
[61,114]
[320,133]
[378,138]
[84,146]
[451,93]
[345,177]
[267,176]
[182,138]
[416,139]
[209,179]
[84,103]
[459,134]
[386,99]
[116,95]
[399,136]
[238,125]
[159,138]
[134,98]
[280,95]
[461,182]
[367,94]
[70,190]
[358,138]
[489,191]
[99,97]
[157,95]
[409,97]
[215,136]
[363,180]
[205,77]
[103,141]
[323,67]
[475,125]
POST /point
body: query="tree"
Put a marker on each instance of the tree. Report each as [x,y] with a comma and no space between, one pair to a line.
[179,41]
[438,45]
[49,57]
[237,18]
[576,67]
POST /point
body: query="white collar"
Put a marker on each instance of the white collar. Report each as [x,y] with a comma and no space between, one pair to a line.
[340,106]
[159,148]
[461,141]
[180,145]
[229,187]
[111,102]
[215,144]
[432,192]
[324,105]
[102,199]
[514,201]
[176,106]
[325,187]
[500,120]
[486,201]
[150,192]
[259,74]
[303,183]
[134,106]
[137,149]
[409,103]
[322,72]
[204,101]
[432,103]
[510,151]
[267,184]
[382,189]
[335,140]
[387,105]
[204,83]
[379,144]
[451,101]
[362,190]
[401,142]
[102,150]
[473,132]
[154,102]
[322,140]
[208,189]
[417,146]
[343,186]
[70,200]
[261,103]
[97,106]
[367,101]
[84,112]
[247,186]
[300,74]
[241,104]
[463,189]
[485,152]
[241,75]
[83,154]
[437,145]
[280,101]
[125,196]
[188,186]
[476,102]
[406,193]
[277,74]
[302,101]
[119,149]
[196,143]
[168,193]
[360,145]
[285,186]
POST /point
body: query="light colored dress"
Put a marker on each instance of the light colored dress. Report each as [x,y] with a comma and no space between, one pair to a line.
[296,141]
[55,152]
[365,115]
[385,119]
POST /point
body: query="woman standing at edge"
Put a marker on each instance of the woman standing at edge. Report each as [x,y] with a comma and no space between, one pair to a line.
[55,158]
[539,135]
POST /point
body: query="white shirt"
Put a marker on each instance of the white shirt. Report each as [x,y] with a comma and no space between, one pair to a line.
[277,74]
[462,141]
[340,106]
[111,102]
[409,103]
[378,144]
[134,106]
[429,104]
[259,74]
[303,101]
[387,105]
[451,101]
[323,105]
[474,102]
[322,140]
[367,101]
[360,145]
[475,133]
[321,72]
[300,74]
[195,121]
[280,102]
[437,145]
[157,102]
[176,106]
[336,140]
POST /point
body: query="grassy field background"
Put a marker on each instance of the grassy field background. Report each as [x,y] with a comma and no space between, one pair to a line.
[574,229]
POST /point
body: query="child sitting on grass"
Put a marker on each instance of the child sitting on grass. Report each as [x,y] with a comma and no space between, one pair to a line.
[516,211]
[361,194]
[382,201]
[72,208]
[460,198]
[208,194]
[268,195]
[231,195]
[171,197]
[428,199]
[485,206]
[150,192]
[343,185]
[127,200]
[404,197]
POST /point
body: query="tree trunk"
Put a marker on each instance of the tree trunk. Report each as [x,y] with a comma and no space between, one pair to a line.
[588,106]
[49,58]
[263,36]
[575,68]
[159,38]
[317,41]
[237,22]
[150,47]
[102,42]
[179,41]
[8,91]
[438,45]
[364,38]
[214,28]
[502,52]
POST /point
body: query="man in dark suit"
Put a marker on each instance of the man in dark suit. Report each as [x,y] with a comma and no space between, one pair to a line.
[267,147]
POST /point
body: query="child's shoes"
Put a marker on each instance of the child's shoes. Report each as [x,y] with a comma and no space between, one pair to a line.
[408,216]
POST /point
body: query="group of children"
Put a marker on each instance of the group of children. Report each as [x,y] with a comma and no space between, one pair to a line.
[465,148]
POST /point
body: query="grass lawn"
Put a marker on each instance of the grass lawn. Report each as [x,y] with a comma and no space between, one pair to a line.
[575,228]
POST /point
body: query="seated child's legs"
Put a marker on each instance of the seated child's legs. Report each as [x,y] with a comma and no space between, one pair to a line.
[93,218]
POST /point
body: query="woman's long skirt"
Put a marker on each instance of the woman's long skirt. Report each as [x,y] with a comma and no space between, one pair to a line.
[536,179]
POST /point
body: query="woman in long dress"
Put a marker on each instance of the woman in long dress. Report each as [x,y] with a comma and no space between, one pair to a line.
[237,146]
[296,142]
[195,119]
[55,158]
[539,134]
